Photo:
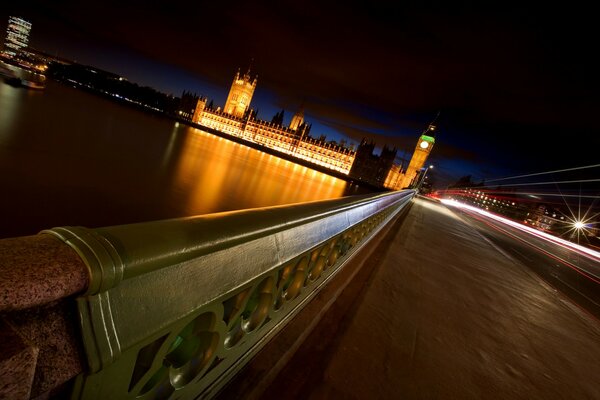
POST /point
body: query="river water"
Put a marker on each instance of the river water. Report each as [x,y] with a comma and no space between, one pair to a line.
[72,158]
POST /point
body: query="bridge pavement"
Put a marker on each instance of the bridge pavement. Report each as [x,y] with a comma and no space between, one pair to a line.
[443,314]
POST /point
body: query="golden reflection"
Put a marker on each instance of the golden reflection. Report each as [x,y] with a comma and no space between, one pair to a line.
[213,175]
[168,155]
[10,102]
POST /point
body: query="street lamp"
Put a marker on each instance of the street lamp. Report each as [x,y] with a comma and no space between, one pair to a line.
[423,177]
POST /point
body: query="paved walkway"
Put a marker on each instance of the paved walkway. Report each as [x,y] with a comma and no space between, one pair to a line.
[447,316]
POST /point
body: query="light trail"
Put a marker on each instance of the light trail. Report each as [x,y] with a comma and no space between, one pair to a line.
[541,183]
[584,251]
[494,192]
[566,263]
[545,173]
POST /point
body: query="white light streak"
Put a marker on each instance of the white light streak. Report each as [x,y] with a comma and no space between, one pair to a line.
[545,173]
[542,235]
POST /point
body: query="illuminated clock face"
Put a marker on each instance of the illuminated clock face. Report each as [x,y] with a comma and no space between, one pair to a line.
[424,144]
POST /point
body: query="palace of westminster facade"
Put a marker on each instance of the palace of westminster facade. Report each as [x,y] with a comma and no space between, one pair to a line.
[238,120]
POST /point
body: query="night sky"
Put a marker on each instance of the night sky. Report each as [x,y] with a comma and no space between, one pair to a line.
[516,86]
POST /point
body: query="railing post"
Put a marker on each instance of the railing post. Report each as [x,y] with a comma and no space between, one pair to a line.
[40,348]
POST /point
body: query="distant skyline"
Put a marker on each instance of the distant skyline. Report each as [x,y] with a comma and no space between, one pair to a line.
[515,85]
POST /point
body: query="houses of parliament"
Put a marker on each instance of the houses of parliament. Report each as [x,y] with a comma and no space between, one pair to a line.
[237,119]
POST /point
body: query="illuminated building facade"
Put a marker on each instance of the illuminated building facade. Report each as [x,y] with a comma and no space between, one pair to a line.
[240,94]
[17,36]
[394,178]
[297,119]
[544,217]
[277,137]
[239,120]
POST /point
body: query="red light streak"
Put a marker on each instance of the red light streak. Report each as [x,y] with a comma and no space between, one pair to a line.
[584,251]
[553,256]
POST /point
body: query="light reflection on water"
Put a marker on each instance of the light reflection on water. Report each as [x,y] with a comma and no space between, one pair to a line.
[71,158]
[240,175]
[10,100]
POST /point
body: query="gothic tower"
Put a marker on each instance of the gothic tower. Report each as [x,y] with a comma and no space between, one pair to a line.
[199,110]
[297,119]
[419,157]
[240,94]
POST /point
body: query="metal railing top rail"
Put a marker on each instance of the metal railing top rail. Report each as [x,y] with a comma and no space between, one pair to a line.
[124,251]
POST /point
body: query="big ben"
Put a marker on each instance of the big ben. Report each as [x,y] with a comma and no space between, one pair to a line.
[419,157]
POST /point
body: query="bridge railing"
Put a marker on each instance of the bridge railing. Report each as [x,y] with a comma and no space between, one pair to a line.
[174,308]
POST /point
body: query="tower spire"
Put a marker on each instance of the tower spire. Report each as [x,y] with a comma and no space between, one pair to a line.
[301,108]
[250,67]
[432,127]
[298,118]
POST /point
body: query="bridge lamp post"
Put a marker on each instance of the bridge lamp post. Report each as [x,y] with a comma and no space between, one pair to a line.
[418,188]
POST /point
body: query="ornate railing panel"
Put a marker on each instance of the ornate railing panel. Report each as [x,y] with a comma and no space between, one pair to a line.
[175,308]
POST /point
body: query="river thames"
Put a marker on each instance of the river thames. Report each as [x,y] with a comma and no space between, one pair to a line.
[72,158]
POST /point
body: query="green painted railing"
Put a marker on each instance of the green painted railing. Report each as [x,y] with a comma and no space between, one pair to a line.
[175,308]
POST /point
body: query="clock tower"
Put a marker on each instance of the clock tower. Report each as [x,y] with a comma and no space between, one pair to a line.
[419,157]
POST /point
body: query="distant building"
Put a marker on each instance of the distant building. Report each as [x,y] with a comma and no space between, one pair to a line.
[397,179]
[420,155]
[371,168]
[297,119]
[546,218]
[17,36]
[240,94]
[239,120]
[187,105]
